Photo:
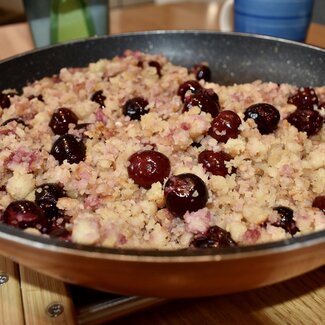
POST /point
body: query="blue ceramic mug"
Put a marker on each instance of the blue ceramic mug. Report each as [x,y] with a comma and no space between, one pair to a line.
[287,19]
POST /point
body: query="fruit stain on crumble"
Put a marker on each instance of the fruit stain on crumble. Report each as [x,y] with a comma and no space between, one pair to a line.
[136,152]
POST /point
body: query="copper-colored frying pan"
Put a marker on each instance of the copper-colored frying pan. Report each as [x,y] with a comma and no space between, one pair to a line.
[232,58]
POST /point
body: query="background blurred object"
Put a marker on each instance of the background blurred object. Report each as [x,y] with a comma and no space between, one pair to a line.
[319,12]
[287,19]
[58,21]
[13,10]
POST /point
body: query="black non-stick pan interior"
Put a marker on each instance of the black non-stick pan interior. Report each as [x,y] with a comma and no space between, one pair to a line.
[233,58]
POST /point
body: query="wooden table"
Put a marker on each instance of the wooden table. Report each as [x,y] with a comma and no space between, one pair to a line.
[297,301]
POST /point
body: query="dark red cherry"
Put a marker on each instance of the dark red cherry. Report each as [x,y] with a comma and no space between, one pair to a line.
[156,65]
[46,197]
[215,162]
[49,191]
[135,108]
[58,227]
[225,126]
[60,233]
[206,99]
[286,220]
[14,119]
[214,237]
[185,192]
[306,120]
[319,202]
[68,147]
[202,71]
[148,167]
[191,85]
[5,99]
[61,119]
[99,98]
[266,117]
[305,98]
[25,214]
[210,92]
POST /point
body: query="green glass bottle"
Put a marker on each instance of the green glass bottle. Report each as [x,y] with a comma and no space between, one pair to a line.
[70,19]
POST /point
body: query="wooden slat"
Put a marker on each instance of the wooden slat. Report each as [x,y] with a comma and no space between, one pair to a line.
[11,308]
[39,292]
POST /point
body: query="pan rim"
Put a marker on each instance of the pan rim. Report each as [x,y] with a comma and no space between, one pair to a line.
[41,242]
[45,243]
[165,32]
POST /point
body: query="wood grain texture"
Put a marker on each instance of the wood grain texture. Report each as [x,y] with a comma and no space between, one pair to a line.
[38,293]
[11,308]
[297,301]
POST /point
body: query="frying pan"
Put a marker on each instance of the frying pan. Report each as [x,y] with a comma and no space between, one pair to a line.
[233,58]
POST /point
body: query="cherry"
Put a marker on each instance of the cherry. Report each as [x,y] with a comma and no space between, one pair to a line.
[202,71]
[135,108]
[190,85]
[265,116]
[61,119]
[60,232]
[215,162]
[25,214]
[206,99]
[68,147]
[57,227]
[214,237]
[210,92]
[185,192]
[148,167]
[305,98]
[99,98]
[5,99]
[319,202]
[286,220]
[225,126]
[46,197]
[306,120]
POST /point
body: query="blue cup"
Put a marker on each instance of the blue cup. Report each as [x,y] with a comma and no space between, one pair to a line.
[287,19]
